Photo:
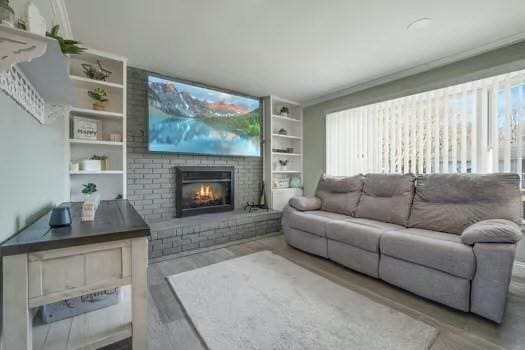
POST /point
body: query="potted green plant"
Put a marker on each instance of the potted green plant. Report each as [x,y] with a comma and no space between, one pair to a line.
[95,72]
[89,189]
[100,97]
[67,46]
[284,111]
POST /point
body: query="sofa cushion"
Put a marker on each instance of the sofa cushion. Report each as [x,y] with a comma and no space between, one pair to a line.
[361,233]
[305,203]
[438,250]
[387,198]
[452,202]
[340,194]
[312,221]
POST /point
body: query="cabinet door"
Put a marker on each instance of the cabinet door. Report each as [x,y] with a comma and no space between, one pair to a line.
[76,271]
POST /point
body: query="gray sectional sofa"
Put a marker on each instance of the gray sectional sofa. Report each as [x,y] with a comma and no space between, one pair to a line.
[450,238]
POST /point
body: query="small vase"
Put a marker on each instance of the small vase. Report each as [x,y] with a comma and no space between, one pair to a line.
[97,106]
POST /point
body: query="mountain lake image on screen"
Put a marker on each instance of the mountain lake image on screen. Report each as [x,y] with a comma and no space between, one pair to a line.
[190,119]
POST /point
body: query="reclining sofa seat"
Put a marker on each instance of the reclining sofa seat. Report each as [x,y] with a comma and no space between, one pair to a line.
[448,237]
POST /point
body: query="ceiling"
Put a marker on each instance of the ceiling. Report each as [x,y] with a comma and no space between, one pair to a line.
[302,50]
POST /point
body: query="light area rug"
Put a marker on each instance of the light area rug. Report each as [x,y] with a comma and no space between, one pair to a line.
[264,301]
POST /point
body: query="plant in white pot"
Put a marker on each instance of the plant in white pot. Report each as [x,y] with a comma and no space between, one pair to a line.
[94,163]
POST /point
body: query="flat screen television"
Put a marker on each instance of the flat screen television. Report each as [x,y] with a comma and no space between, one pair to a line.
[191,119]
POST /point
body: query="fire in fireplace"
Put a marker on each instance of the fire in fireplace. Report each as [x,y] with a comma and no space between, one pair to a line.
[203,190]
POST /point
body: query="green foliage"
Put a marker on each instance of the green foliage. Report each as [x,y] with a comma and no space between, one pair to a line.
[249,124]
[96,157]
[66,45]
[89,188]
[97,73]
[98,94]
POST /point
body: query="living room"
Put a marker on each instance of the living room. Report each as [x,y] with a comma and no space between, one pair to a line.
[262,174]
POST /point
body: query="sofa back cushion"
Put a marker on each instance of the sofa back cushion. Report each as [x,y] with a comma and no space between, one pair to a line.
[452,202]
[387,198]
[340,194]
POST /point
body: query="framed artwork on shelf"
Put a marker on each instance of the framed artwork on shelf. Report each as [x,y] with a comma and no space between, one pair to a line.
[86,128]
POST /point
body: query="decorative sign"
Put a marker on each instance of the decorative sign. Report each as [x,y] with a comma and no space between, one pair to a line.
[85,128]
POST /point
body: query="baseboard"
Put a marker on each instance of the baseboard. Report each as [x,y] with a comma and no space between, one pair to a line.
[519,269]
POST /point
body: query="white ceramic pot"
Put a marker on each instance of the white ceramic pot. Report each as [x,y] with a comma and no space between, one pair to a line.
[90,165]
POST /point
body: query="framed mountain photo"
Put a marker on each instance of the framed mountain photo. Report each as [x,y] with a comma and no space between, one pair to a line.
[192,119]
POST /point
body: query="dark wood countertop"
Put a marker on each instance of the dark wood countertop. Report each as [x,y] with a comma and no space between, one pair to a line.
[114,220]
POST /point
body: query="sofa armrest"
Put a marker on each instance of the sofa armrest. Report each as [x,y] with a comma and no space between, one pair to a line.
[491,231]
[490,285]
[305,203]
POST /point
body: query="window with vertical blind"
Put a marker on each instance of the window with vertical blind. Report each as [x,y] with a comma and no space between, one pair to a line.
[473,127]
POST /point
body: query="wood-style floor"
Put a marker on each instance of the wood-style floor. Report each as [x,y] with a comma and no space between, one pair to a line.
[170,328]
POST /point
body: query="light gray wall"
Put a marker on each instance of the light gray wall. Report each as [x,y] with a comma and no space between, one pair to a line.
[496,62]
[500,61]
[31,167]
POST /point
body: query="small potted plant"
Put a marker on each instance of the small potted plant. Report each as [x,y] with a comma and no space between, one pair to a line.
[94,72]
[89,189]
[282,132]
[284,112]
[100,97]
[67,46]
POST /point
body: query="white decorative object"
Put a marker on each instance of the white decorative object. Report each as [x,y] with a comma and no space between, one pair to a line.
[19,46]
[74,167]
[36,23]
[53,112]
[115,137]
[14,83]
[85,128]
[90,206]
[90,165]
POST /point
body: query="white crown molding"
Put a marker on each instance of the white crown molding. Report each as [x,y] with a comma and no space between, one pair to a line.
[440,62]
[60,12]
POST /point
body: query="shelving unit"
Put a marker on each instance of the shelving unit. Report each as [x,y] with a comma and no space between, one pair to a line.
[290,140]
[111,183]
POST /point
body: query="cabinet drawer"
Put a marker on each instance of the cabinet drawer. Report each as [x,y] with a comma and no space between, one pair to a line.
[76,271]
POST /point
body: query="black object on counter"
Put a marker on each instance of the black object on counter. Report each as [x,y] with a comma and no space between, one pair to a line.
[60,217]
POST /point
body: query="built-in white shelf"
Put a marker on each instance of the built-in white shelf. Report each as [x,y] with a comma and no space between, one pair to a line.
[278,181]
[96,142]
[102,172]
[94,113]
[87,83]
[110,183]
[281,117]
[287,136]
[287,154]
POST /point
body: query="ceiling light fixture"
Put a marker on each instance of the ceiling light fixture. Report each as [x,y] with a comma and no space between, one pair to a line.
[419,23]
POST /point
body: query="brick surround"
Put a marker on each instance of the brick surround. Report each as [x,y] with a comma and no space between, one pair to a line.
[151,176]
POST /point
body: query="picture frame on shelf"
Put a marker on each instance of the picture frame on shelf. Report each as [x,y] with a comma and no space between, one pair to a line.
[86,128]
